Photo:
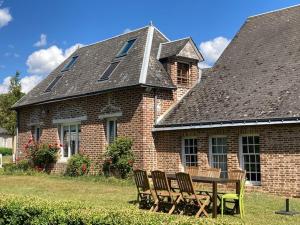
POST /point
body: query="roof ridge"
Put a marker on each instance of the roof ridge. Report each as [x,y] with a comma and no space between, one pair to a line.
[180,39]
[160,32]
[146,57]
[116,36]
[274,11]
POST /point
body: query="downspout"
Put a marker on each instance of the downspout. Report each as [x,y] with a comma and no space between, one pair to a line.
[155,106]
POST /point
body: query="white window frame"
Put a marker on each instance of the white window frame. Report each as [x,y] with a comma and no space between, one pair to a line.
[183,161]
[210,149]
[241,157]
[108,128]
[62,158]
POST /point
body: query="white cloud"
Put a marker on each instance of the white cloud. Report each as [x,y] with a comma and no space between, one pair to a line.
[29,82]
[212,49]
[203,65]
[43,61]
[42,42]
[5,85]
[5,17]
[126,30]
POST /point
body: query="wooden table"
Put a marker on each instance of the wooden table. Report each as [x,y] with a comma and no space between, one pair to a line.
[214,182]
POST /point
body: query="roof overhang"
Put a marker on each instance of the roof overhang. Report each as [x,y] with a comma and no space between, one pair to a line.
[233,123]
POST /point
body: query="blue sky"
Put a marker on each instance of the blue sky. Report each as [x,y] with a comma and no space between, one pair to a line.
[35,35]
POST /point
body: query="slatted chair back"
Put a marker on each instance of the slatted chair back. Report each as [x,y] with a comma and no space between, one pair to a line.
[237,174]
[214,172]
[141,179]
[192,170]
[185,183]
[160,181]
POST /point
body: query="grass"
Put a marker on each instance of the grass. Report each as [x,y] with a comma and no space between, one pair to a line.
[101,192]
[7,159]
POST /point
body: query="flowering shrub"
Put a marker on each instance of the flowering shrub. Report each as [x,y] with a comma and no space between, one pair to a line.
[41,155]
[78,165]
[119,158]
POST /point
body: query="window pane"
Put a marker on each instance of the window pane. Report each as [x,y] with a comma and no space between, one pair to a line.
[190,151]
[251,148]
[53,83]
[244,140]
[73,136]
[109,70]
[126,47]
[70,63]
[250,140]
[256,140]
[245,149]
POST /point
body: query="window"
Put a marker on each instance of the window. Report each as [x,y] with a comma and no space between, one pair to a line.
[70,63]
[189,152]
[37,133]
[109,70]
[218,154]
[70,139]
[183,70]
[111,130]
[250,158]
[53,83]
[124,50]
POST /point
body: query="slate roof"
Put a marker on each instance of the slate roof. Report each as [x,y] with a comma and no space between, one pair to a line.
[136,68]
[256,78]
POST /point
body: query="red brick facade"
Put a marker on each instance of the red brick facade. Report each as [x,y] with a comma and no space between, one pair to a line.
[279,153]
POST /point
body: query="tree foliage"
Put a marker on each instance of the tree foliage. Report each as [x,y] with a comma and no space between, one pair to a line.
[7,100]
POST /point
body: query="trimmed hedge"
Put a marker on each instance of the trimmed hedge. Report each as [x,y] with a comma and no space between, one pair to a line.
[5,151]
[36,211]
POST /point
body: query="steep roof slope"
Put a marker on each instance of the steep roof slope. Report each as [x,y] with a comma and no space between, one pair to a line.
[82,78]
[257,76]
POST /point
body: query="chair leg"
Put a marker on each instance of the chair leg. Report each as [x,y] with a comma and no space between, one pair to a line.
[154,208]
[202,208]
[222,206]
[178,199]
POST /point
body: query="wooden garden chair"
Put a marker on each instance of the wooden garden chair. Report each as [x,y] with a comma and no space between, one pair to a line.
[188,193]
[163,191]
[143,186]
[214,172]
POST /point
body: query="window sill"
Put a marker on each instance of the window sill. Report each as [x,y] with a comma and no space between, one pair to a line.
[253,184]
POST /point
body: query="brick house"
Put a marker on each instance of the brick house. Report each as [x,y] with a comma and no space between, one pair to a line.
[118,86]
[242,113]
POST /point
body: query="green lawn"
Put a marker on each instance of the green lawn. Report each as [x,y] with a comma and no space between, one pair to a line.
[99,192]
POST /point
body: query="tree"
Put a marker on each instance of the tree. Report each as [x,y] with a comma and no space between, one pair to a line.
[8,117]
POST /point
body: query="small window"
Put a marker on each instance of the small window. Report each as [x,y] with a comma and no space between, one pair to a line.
[189,152]
[218,154]
[37,133]
[109,70]
[70,63]
[111,130]
[126,47]
[53,83]
[183,72]
[250,158]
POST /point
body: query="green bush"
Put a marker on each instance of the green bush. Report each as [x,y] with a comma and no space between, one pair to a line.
[78,165]
[31,210]
[21,166]
[119,157]
[5,151]
[42,155]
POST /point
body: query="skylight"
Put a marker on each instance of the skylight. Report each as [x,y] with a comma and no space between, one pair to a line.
[70,63]
[52,84]
[126,47]
[108,71]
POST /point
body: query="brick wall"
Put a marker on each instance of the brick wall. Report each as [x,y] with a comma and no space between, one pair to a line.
[279,153]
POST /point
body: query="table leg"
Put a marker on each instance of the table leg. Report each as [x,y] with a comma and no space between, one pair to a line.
[215,200]
[237,204]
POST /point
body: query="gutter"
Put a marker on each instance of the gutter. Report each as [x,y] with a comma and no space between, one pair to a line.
[232,123]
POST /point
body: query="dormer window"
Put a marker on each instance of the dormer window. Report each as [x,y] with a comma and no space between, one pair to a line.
[70,63]
[183,74]
[124,50]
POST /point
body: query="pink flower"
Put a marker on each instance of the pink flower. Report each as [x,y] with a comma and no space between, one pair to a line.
[84,168]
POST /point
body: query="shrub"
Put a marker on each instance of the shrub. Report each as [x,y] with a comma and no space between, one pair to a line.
[21,167]
[78,165]
[42,155]
[32,210]
[119,157]
[5,151]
